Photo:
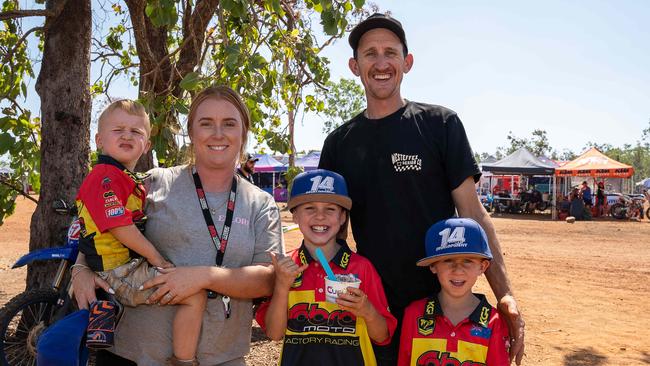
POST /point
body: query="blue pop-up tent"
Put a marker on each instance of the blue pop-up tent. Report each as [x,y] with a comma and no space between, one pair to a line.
[266,163]
[267,172]
[309,161]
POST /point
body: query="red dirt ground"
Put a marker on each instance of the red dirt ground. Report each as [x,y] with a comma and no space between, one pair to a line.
[582,286]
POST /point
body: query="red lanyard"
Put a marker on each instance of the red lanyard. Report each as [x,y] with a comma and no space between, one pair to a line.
[219,243]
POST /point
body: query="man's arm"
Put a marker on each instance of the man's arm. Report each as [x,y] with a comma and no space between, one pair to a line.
[468,205]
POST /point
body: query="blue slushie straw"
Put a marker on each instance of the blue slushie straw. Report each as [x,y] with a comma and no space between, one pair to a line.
[326,266]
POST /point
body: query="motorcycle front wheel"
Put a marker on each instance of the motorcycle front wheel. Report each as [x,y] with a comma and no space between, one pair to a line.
[542,206]
[618,211]
[22,320]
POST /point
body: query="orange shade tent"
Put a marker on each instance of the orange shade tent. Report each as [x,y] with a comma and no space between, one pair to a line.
[593,163]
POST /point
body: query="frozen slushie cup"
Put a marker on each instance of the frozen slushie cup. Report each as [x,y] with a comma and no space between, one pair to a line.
[334,288]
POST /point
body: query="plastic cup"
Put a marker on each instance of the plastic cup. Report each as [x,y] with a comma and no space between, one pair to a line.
[334,288]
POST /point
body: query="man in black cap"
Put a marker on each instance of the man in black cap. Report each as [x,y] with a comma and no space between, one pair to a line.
[408,165]
[247,168]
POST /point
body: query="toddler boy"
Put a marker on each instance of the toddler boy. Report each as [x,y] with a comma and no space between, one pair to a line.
[110,203]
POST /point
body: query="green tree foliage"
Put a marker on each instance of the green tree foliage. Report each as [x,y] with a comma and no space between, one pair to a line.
[637,154]
[170,49]
[483,157]
[343,100]
[565,155]
[266,50]
[19,130]
[537,144]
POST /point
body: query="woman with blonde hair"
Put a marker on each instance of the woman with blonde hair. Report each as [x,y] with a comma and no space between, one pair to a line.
[216,228]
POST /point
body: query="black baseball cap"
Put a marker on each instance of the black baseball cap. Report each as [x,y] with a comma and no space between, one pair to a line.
[251,157]
[377,20]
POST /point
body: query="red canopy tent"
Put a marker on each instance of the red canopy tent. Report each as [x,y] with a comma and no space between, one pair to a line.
[593,163]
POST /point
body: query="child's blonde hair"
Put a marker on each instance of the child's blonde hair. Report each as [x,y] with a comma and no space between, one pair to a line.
[129,106]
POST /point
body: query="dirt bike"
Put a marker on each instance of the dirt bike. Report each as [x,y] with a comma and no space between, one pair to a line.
[24,318]
[627,207]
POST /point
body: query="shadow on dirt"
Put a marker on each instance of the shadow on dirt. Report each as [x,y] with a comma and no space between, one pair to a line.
[258,335]
[523,216]
[547,218]
[646,358]
[584,357]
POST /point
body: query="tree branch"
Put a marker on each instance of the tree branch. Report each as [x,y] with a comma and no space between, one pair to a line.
[8,184]
[327,43]
[158,66]
[190,53]
[136,10]
[10,52]
[15,14]
[100,55]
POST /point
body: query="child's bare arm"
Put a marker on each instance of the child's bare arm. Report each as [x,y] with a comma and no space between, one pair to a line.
[133,239]
[286,271]
[356,302]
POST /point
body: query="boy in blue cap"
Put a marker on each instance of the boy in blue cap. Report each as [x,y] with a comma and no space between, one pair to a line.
[455,327]
[317,332]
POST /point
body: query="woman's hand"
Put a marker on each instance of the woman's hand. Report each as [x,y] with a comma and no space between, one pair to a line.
[84,283]
[286,270]
[175,284]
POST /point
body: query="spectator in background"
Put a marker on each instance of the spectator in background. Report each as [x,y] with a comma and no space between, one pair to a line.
[577,207]
[247,168]
[585,192]
[601,201]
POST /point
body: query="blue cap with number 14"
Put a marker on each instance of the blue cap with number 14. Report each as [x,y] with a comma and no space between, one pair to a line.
[455,237]
[319,185]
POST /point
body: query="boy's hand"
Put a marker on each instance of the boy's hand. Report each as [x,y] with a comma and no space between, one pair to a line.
[286,270]
[356,302]
[161,263]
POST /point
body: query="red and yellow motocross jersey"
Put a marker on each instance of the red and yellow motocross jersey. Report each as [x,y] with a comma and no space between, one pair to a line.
[110,196]
[430,339]
[319,332]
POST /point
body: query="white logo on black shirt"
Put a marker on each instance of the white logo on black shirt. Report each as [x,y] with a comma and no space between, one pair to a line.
[403,162]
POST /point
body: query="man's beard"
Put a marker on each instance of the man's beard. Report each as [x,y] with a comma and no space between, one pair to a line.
[247,169]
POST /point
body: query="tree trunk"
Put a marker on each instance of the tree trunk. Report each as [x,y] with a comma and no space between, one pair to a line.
[292,147]
[63,85]
[159,75]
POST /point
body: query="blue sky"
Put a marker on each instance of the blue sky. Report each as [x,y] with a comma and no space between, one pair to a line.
[579,69]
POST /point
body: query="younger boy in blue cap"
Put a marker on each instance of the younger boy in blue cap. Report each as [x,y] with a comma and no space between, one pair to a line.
[455,326]
[317,332]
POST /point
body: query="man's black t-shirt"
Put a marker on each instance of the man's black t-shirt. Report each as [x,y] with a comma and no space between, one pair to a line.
[400,172]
